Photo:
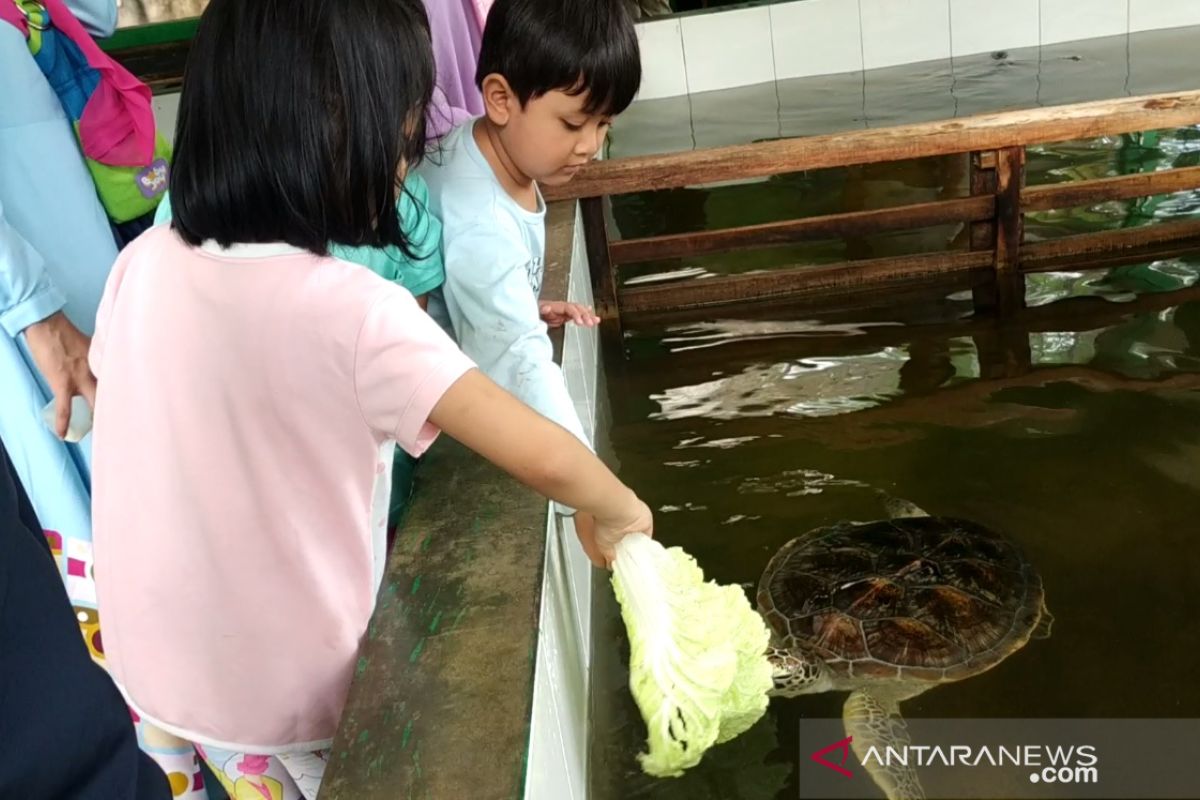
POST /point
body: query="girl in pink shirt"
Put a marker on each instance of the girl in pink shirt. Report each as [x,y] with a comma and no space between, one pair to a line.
[252,387]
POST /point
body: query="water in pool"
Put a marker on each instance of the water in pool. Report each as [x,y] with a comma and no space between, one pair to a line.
[1074,430]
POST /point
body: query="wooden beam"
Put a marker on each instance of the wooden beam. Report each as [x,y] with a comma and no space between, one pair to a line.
[781,283]
[600,264]
[1124,187]
[830,226]
[986,132]
[1054,254]
[1010,177]
[1155,251]
[983,234]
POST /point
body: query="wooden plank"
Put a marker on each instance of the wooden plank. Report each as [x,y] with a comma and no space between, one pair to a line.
[983,234]
[1010,177]
[1157,251]
[781,283]
[1124,187]
[830,226]
[985,132]
[600,263]
[1054,254]
[983,183]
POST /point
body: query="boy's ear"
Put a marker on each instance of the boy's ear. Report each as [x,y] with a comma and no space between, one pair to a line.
[498,98]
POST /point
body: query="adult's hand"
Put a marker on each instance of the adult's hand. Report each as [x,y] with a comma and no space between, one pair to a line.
[60,351]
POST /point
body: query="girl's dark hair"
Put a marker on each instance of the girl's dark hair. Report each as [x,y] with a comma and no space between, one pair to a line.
[576,46]
[295,119]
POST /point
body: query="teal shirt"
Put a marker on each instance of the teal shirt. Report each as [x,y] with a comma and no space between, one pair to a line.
[424,232]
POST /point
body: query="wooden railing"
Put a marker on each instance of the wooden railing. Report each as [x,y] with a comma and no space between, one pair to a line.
[994,210]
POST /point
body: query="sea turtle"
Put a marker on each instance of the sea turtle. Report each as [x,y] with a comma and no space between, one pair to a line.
[888,609]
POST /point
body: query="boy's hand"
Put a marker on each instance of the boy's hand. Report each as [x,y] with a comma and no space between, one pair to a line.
[557,313]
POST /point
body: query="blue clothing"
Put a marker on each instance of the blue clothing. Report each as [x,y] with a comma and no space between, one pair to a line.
[495,259]
[56,249]
[421,275]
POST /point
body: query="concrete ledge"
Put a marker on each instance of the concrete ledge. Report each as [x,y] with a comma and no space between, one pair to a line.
[441,702]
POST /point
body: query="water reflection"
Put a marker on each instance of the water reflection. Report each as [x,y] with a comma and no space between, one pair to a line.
[1075,432]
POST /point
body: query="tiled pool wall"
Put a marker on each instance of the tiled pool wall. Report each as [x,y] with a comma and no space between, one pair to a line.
[745,46]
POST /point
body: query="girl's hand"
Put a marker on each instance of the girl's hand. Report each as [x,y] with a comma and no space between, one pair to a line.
[634,517]
[557,313]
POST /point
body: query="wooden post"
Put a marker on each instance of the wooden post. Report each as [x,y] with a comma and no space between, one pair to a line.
[1003,352]
[603,271]
[983,234]
[1010,177]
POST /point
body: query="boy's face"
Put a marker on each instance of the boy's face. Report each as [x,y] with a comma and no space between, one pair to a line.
[551,137]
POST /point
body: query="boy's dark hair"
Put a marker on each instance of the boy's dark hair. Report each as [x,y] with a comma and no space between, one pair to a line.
[294,119]
[575,46]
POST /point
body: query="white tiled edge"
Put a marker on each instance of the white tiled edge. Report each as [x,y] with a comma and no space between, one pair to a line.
[558,735]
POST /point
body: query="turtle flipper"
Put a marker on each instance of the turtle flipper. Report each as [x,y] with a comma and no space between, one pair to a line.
[873,721]
[1044,624]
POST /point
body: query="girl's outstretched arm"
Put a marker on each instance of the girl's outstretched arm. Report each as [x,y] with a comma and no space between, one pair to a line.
[542,455]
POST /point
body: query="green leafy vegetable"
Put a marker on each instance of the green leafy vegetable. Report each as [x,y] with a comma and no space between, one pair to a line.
[698,669]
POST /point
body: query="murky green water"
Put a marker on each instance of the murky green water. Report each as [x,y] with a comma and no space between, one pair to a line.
[1076,432]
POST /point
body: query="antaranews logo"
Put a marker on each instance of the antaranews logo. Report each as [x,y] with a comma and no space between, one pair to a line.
[1009,759]
[1049,764]
[1057,764]
[842,747]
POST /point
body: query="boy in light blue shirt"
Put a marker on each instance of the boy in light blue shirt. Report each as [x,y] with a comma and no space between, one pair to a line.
[553,74]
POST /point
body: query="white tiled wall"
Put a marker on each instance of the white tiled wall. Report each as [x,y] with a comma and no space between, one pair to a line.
[982,26]
[904,32]
[1062,22]
[664,73]
[1151,15]
[816,37]
[558,736]
[742,40]
[703,52]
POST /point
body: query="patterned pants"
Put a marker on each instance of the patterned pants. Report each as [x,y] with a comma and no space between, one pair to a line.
[287,776]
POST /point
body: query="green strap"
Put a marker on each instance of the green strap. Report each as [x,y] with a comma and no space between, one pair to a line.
[37,20]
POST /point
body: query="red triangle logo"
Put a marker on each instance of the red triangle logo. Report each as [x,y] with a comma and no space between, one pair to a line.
[844,748]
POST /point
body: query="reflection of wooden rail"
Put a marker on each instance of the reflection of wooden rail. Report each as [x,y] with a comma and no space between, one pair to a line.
[996,144]
[1074,315]
[975,403]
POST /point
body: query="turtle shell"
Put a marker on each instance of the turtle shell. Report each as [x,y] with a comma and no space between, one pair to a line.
[923,598]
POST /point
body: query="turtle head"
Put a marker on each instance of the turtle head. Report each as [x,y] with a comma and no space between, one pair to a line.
[796,672]
[898,508]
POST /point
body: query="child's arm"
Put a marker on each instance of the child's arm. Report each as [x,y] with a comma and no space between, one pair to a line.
[410,381]
[498,323]
[543,456]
